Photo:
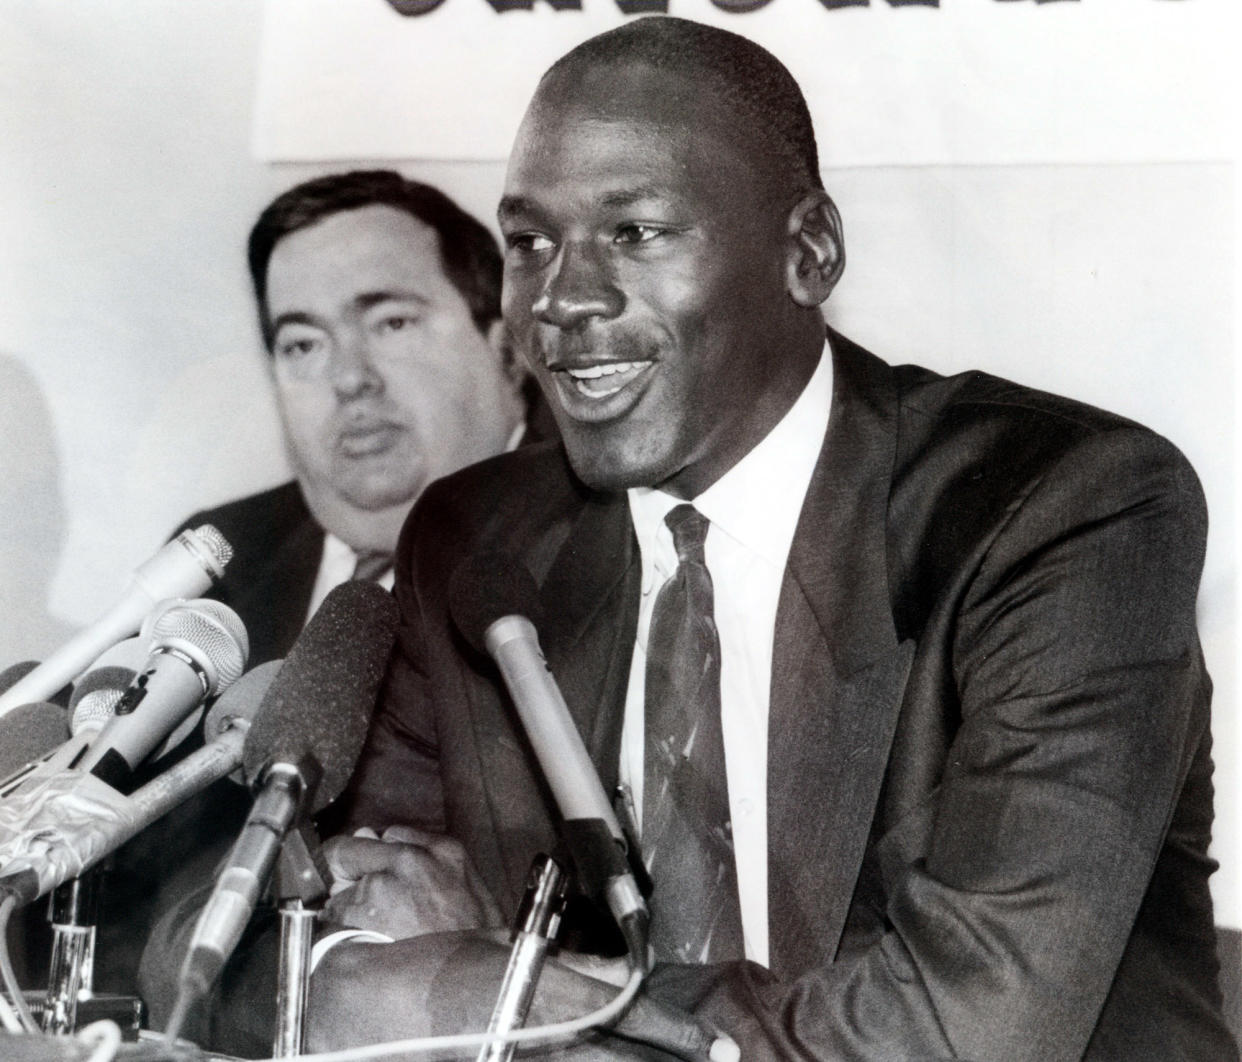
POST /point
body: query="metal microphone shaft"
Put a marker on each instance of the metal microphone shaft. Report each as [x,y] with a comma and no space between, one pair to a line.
[538,921]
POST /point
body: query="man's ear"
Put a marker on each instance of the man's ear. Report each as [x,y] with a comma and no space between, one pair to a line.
[511,363]
[817,249]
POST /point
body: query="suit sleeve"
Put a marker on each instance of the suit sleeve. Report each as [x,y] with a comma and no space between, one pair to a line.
[1080,700]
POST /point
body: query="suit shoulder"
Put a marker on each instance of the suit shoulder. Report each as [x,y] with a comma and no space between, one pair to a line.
[505,503]
[275,507]
[256,525]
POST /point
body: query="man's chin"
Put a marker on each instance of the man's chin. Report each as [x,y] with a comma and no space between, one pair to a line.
[612,473]
[378,499]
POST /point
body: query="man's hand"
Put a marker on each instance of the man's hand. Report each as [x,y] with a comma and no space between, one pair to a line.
[446,983]
[406,882]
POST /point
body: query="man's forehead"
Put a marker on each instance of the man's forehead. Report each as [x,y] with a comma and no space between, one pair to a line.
[633,117]
[630,91]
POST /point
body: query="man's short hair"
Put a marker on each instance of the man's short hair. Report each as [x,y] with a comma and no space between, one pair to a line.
[749,79]
[471,259]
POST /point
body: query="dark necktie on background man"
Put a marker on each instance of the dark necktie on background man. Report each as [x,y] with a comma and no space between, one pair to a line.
[371,564]
[687,838]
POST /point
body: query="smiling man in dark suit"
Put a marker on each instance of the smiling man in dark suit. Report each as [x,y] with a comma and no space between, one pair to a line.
[951,725]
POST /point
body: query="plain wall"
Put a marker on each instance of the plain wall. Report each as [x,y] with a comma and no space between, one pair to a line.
[133,387]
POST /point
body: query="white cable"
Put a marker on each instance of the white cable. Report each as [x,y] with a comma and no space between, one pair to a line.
[106,1036]
[564,1030]
[16,1001]
[8,1016]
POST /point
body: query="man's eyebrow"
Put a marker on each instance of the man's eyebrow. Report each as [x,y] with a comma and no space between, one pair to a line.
[514,205]
[365,300]
[629,196]
[293,317]
[511,205]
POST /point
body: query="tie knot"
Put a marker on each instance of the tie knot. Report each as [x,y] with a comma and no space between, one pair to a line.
[689,527]
[371,564]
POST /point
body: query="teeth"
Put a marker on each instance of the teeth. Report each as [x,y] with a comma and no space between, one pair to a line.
[594,372]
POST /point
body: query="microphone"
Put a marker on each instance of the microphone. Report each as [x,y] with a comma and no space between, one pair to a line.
[185,567]
[96,693]
[298,756]
[198,649]
[91,705]
[72,831]
[491,596]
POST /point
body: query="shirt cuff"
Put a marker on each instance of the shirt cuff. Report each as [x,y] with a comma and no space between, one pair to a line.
[326,944]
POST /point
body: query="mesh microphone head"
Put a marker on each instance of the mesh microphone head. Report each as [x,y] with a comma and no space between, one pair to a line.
[95,696]
[321,702]
[211,633]
[153,617]
[28,731]
[487,587]
[212,546]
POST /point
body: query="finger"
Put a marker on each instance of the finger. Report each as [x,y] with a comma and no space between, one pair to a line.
[350,858]
[439,845]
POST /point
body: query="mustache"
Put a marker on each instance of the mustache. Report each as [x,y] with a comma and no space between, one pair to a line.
[564,349]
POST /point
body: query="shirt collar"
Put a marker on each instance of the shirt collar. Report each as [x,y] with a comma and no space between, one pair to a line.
[758,501]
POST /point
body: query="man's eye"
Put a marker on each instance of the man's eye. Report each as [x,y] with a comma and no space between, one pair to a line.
[528,242]
[397,322]
[295,349]
[638,233]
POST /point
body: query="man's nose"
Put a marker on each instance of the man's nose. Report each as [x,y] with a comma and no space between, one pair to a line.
[353,366]
[580,287]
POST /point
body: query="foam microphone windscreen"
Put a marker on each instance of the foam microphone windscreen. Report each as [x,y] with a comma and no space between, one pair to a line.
[29,731]
[14,673]
[485,588]
[323,697]
[241,700]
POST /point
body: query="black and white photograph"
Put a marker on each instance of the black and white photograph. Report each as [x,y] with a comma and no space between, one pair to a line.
[620,530]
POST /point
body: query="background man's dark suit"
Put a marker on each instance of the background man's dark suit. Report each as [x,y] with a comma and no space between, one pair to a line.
[268,583]
[989,774]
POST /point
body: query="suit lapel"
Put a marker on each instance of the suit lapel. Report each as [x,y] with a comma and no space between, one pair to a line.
[590,596]
[838,672]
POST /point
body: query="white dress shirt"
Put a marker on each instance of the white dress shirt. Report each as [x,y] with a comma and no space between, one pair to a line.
[336,566]
[753,509]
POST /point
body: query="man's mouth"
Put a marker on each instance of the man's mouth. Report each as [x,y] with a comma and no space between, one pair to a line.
[600,381]
[365,440]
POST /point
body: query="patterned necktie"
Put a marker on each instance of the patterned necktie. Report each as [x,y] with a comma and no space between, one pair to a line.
[371,564]
[687,836]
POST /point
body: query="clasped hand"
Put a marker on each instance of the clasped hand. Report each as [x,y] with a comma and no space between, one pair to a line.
[406,882]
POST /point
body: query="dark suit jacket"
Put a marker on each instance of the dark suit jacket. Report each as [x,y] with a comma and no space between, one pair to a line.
[989,775]
[277,549]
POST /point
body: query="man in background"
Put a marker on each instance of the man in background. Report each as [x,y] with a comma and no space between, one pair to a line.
[379,304]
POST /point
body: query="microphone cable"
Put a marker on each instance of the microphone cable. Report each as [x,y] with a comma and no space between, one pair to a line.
[541,1035]
[17,1001]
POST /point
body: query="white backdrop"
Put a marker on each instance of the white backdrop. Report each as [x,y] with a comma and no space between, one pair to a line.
[1045,191]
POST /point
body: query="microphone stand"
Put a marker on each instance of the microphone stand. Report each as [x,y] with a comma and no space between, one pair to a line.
[300,884]
[73,912]
[538,921]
